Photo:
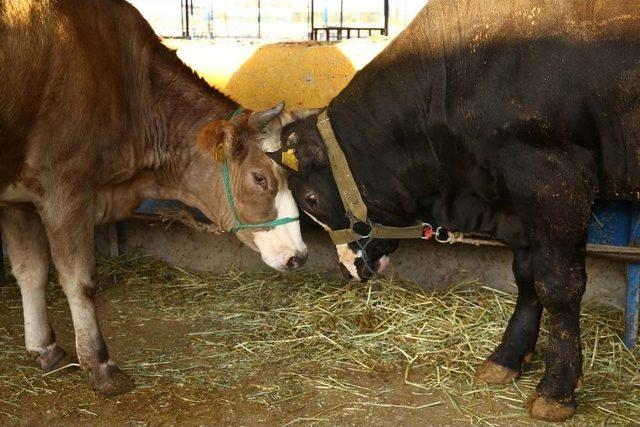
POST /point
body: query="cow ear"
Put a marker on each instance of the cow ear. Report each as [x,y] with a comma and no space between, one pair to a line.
[220,138]
[316,155]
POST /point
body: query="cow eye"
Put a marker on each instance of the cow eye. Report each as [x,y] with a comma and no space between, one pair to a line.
[260,180]
[311,200]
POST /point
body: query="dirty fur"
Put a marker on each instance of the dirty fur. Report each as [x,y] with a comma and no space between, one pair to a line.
[508,118]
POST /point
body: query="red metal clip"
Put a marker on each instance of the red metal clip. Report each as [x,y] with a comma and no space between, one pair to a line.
[427,232]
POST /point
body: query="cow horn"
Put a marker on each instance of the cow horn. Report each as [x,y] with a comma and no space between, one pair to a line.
[259,119]
[303,114]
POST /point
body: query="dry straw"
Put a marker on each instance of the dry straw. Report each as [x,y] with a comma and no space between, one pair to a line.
[321,331]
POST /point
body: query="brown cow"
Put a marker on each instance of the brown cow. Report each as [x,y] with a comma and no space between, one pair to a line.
[95,116]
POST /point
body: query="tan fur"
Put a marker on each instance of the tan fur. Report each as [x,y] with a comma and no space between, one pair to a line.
[215,133]
[97,115]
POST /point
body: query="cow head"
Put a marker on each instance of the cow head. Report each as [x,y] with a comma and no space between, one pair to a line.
[258,186]
[315,192]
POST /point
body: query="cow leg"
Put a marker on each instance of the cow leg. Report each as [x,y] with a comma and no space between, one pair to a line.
[560,283]
[69,225]
[555,204]
[519,340]
[28,250]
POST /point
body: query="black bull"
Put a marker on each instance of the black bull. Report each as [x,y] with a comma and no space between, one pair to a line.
[508,118]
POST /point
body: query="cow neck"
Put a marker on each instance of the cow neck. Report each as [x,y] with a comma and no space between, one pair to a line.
[382,131]
[361,225]
[181,103]
[171,106]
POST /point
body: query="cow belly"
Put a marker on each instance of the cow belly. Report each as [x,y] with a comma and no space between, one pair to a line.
[119,201]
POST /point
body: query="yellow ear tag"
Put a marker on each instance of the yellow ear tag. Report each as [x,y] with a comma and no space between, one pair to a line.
[290,160]
[218,153]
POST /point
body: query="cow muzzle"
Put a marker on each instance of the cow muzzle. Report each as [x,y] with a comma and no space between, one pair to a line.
[282,247]
[355,264]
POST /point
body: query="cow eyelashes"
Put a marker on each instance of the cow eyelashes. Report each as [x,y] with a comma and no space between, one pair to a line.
[259,180]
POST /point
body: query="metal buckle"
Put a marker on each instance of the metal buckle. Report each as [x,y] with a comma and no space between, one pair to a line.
[362,229]
[447,236]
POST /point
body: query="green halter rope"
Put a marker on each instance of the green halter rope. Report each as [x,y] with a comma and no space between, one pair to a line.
[236,112]
[239,225]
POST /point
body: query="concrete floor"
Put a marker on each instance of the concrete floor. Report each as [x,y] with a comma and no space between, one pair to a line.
[431,264]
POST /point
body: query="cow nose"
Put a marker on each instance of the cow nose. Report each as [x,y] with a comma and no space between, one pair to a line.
[296,262]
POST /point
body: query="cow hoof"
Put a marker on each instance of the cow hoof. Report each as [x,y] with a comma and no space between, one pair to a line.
[109,380]
[52,358]
[546,409]
[491,372]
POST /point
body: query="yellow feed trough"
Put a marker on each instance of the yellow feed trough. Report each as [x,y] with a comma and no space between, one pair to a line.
[304,74]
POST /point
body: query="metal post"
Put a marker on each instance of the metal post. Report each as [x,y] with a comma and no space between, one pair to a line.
[618,224]
[311,21]
[185,33]
[633,283]
[182,17]
[341,12]
[259,20]
[210,23]
[386,17]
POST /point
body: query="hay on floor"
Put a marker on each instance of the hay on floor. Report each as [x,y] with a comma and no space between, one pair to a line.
[320,330]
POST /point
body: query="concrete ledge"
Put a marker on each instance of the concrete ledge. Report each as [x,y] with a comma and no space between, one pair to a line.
[433,265]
